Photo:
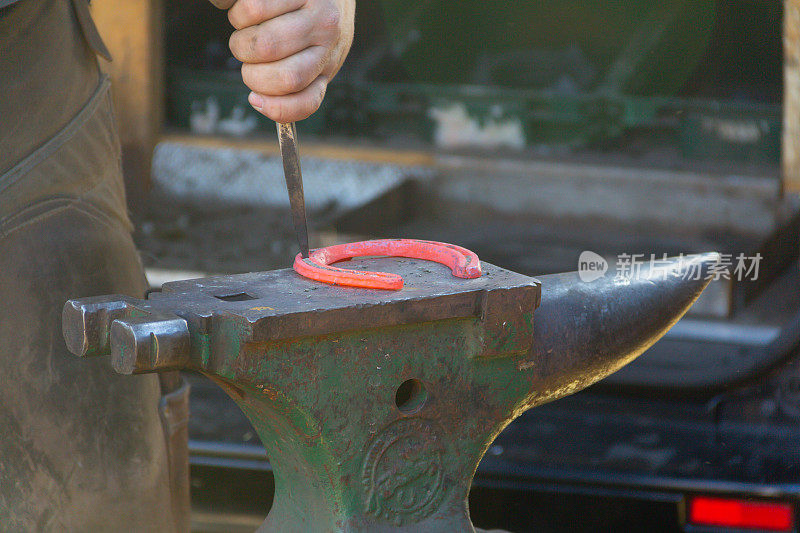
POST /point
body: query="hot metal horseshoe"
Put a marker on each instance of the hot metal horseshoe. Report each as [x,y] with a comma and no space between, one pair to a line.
[462,262]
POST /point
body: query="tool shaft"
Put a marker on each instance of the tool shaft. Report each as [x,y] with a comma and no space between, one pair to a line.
[287,137]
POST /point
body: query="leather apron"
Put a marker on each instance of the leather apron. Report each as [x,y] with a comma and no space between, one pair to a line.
[81,448]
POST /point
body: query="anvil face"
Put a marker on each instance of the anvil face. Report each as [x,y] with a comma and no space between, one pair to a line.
[275,305]
[284,305]
[375,407]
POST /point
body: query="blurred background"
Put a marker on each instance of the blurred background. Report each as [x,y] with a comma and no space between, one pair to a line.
[529,132]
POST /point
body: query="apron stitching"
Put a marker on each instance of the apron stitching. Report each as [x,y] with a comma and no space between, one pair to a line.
[51,207]
[58,140]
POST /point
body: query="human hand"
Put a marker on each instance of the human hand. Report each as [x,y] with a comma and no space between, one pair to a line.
[290,50]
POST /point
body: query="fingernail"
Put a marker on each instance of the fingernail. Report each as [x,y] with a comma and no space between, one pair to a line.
[255,100]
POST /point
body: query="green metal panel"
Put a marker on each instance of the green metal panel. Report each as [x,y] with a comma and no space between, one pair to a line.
[373,109]
[659,42]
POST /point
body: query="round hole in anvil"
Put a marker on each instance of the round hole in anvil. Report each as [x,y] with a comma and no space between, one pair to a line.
[410,396]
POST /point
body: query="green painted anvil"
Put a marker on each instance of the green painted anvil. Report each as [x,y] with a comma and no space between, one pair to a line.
[375,407]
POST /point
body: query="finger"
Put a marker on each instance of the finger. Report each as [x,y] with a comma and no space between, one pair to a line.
[286,76]
[273,40]
[291,107]
[245,13]
[223,4]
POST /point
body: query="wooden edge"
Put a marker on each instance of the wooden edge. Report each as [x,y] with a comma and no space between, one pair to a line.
[133,32]
[791,99]
[326,150]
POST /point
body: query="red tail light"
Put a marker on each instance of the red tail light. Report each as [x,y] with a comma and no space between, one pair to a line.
[741,514]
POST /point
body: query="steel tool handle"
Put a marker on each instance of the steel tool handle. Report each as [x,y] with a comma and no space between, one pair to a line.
[287,137]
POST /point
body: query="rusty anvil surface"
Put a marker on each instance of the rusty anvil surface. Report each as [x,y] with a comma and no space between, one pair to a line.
[376,407]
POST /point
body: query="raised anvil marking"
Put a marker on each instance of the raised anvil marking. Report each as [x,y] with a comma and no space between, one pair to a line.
[403,471]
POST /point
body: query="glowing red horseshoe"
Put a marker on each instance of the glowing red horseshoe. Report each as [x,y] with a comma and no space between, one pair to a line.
[463,263]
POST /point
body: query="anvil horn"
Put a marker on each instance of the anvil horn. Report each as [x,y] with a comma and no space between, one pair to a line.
[585,331]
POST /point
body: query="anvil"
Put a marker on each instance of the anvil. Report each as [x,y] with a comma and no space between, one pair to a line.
[375,407]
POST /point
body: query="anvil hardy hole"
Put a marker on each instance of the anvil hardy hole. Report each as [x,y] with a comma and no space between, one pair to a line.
[238,297]
[410,396]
